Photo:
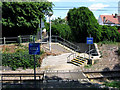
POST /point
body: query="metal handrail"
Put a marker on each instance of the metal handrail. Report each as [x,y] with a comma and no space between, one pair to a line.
[67,43]
[68,58]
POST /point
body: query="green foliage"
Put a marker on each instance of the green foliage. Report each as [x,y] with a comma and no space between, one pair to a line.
[83,23]
[88,66]
[101,54]
[107,42]
[59,27]
[20,58]
[109,33]
[7,49]
[61,30]
[59,21]
[20,18]
[113,84]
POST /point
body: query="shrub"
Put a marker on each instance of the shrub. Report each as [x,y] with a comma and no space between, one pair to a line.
[20,58]
[113,84]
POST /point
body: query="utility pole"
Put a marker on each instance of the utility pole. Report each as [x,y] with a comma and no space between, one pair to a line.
[50,14]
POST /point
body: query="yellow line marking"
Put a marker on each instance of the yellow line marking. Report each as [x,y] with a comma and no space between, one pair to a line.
[77,62]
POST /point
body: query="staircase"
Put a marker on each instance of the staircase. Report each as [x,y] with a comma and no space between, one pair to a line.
[78,61]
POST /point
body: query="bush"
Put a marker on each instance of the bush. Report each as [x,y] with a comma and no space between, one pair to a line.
[109,33]
[20,58]
[88,66]
[60,29]
[113,84]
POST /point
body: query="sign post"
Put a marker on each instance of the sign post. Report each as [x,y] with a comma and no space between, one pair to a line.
[41,25]
[89,42]
[34,49]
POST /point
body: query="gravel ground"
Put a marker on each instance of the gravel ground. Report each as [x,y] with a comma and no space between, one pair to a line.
[109,60]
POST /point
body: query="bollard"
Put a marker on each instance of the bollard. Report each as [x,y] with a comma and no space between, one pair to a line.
[19,40]
[31,38]
[4,40]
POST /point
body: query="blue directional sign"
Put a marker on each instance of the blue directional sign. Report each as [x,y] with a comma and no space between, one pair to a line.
[89,40]
[34,48]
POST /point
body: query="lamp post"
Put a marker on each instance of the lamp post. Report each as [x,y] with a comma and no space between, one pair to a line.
[50,14]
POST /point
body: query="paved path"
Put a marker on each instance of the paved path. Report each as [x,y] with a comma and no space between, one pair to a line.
[58,63]
[55,48]
[65,75]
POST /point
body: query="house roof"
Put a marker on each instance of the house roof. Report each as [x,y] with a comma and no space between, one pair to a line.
[110,19]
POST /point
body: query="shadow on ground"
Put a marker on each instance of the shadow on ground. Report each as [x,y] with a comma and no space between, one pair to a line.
[54,83]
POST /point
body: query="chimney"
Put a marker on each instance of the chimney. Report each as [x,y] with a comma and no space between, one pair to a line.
[104,19]
[115,15]
[119,19]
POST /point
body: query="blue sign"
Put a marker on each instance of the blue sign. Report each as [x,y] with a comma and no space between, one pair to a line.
[34,48]
[89,40]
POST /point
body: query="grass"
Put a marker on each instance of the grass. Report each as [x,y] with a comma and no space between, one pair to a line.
[113,84]
[88,66]
[19,57]
[108,42]
[101,54]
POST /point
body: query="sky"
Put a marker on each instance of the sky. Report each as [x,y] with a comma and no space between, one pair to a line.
[98,7]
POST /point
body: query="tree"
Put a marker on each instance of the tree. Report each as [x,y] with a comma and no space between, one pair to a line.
[60,28]
[59,21]
[83,23]
[109,33]
[23,17]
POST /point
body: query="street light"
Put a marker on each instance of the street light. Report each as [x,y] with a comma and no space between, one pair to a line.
[50,14]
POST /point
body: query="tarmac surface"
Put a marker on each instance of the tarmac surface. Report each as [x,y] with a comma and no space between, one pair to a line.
[58,63]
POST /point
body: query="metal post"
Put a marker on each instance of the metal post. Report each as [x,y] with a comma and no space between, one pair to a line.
[89,49]
[50,35]
[41,27]
[89,52]
[34,68]
[56,39]
[4,40]
[34,65]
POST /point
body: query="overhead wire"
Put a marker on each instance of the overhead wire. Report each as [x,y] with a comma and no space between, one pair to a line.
[91,8]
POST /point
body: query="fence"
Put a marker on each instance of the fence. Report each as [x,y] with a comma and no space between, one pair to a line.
[19,39]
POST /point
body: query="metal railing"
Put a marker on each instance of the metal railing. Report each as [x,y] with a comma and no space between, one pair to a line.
[65,43]
[19,76]
[92,52]
[70,57]
[19,39]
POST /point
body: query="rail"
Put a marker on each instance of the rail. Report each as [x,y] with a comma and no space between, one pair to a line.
[66,43]
[70,57]
[103,74]
[20,76]
[19,39]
